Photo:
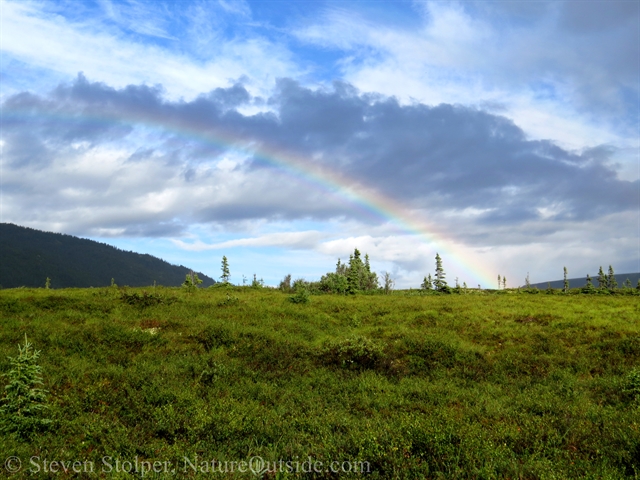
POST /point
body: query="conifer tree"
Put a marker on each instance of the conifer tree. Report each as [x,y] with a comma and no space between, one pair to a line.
[602,279]
[191,282]
[225,270]
[499,281]
[527,282]
[504,282]
[388,283]
[353,276]
[370,278]
[588,288]
[285,284]
[440,282]
[566,281]
[426,284]
[24,409]
[589,283]
[612,284]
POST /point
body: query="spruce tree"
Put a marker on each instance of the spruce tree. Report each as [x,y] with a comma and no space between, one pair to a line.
[225,270]
[504,282]
[566,281]
[499,281]
[285,284]
[191,282]
[612,284]
[388,283]
[602,279]
[440,282]
[24,409]
[353,275]
[371,278]
[426,284]
[589,283]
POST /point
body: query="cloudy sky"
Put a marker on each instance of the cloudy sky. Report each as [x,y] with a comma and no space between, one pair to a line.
[283,134]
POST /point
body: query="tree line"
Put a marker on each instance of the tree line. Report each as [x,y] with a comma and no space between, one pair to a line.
[356,277]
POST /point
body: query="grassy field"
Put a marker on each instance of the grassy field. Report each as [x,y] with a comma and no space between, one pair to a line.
[398,386]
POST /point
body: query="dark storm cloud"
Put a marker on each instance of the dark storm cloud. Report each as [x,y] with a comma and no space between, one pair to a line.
[450,156]
[594,16]
[439,157]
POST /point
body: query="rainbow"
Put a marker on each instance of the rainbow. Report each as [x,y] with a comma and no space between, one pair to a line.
[302,169]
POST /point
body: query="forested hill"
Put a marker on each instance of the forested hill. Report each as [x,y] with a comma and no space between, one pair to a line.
[28,257]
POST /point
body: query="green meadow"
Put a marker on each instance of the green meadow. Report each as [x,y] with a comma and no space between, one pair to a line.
[164,383]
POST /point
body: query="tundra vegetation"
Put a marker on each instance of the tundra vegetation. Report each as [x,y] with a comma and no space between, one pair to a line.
[437,382]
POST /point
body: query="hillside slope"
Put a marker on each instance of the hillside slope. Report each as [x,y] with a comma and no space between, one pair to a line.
[29,256]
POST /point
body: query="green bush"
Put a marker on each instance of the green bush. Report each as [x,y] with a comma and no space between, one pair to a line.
[302,292]
[631,387]
[142,301]
[353,353]
[214,336]
[229,301]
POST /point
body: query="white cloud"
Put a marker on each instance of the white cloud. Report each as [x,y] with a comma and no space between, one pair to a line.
[542,77]
[31,35]
[303,239]
[144,18]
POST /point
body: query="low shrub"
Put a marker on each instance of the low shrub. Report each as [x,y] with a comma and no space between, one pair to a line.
[302,292]
[214,336]
[353,353]
[229,301]
[143,301]
[631,386]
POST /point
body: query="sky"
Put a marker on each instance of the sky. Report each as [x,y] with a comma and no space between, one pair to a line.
[503,135]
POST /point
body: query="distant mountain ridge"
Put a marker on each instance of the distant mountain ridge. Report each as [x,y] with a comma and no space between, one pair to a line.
[581,282]
[29,256]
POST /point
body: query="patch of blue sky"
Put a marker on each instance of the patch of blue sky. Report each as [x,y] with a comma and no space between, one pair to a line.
[407,14]
[544,90]
[18,76]
[270,263]
[629,120]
